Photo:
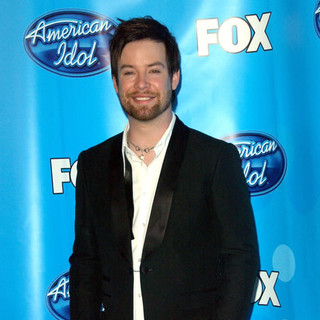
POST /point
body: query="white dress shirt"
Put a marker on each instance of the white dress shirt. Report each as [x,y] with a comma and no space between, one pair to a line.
[144,184]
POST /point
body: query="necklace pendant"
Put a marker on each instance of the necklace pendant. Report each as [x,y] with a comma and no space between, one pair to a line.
[142,157]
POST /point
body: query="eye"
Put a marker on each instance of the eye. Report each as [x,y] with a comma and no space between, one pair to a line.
[128,73]
[155,71]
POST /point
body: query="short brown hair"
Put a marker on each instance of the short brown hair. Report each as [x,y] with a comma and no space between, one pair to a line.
[143,28]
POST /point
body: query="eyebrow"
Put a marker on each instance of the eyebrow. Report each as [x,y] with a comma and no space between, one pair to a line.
[154,64]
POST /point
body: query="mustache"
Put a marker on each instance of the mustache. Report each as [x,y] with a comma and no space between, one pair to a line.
[135,93]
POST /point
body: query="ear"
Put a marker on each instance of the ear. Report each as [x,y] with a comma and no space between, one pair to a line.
[115,85]
[175,80]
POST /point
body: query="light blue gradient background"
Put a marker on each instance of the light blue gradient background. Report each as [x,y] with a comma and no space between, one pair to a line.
[44,115]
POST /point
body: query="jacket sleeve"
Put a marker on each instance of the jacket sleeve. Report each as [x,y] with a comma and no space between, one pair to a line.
[85,273]
[239,255]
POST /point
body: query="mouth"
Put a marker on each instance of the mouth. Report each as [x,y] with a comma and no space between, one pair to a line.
[142,98]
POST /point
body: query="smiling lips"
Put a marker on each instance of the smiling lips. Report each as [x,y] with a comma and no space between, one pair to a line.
[142,98]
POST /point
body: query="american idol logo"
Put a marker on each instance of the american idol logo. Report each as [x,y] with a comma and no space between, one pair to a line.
[57,297]
[264,161]
[317,18]
[71,43]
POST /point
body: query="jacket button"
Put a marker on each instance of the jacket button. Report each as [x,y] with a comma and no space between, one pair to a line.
[146,270]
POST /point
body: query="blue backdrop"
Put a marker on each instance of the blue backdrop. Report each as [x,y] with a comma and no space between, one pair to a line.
[249,75]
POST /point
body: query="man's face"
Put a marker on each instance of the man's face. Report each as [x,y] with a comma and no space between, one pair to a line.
[144,85]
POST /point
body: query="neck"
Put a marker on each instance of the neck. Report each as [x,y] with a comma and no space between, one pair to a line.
[148,133]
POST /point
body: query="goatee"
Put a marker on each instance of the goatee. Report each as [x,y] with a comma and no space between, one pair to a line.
[145,112]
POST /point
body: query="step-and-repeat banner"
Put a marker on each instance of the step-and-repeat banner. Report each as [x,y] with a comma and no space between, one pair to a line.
[250,73]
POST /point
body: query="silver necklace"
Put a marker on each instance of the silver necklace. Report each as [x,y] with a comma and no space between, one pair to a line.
[139,149]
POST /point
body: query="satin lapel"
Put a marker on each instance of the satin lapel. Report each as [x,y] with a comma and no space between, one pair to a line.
[165,189]
[120,220]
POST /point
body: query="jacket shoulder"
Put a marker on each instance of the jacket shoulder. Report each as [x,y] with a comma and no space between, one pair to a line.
[104,148]
[205,145]
[208,142]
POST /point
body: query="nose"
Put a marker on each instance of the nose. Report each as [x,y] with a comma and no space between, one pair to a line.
[142,81]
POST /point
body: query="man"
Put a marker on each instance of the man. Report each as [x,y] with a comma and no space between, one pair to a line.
[164,227]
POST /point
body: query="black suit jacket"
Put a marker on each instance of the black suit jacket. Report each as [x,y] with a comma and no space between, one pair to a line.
[200,258]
